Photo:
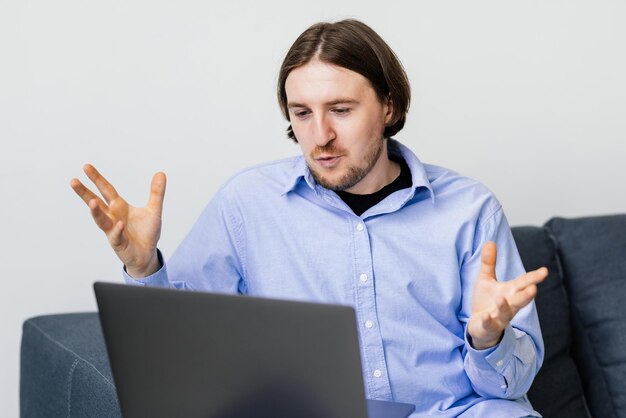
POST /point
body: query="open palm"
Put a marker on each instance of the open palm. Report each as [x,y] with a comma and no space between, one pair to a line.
[132,232]
[495,303]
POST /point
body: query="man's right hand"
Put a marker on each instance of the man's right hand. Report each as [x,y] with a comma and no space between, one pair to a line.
[132,232]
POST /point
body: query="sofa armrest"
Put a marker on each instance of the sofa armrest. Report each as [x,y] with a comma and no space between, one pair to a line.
[65,369]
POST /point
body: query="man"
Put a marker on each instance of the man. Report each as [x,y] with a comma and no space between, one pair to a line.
[359,220]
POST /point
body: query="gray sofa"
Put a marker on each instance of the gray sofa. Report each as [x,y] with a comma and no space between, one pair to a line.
[582,306]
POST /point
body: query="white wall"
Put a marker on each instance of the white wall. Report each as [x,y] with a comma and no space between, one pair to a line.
[528,97]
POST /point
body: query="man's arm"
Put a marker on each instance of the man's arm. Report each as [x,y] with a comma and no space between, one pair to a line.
[210,257]
[504,347]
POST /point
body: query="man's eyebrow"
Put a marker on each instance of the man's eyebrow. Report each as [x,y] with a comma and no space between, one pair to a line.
[342,101]
[334,102]
[291,105]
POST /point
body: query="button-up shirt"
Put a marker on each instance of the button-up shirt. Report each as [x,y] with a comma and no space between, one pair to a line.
[407,265]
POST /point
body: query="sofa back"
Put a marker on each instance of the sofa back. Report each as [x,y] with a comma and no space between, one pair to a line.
[581,308]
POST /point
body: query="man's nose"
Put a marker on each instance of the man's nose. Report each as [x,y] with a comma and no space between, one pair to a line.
[324,132]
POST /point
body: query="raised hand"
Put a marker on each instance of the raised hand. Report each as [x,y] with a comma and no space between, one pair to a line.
[132,232]
[495,303]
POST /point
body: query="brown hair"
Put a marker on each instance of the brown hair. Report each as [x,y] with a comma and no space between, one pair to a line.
[353,45]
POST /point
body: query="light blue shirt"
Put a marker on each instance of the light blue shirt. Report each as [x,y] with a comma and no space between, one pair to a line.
[407,265]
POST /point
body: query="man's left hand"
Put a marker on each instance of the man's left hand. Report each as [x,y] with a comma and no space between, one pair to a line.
[495,303]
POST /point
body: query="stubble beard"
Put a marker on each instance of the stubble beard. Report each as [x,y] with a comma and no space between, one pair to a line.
[354,174]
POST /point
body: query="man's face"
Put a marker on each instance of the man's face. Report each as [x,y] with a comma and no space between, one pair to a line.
[339,123]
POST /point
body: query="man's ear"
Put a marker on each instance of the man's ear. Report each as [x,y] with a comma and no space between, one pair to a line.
[389,114]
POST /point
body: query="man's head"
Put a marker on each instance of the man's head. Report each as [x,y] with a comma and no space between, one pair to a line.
[344,92]
[353,45]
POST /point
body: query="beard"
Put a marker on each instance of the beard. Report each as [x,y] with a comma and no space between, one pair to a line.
[354,173]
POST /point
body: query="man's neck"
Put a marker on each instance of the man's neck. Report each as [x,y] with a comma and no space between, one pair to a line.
[359,203]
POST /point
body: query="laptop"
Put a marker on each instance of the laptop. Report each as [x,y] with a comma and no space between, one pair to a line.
[193,354]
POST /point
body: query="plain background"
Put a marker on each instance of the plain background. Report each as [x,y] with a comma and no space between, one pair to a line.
[525,96]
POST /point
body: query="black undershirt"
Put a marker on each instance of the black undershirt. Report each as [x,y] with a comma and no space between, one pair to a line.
[359,203]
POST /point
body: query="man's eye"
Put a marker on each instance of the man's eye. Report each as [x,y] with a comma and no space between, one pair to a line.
[301,113]
[341,110]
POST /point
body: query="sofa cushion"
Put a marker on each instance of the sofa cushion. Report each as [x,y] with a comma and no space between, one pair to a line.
[557,389]
[593,253]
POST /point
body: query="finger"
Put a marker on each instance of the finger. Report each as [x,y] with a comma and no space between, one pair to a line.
[488,257]
[106,189]
[504,312]
[99,216]
[522,298]
[531,278]
[83,192]
[157,192]
[116,235]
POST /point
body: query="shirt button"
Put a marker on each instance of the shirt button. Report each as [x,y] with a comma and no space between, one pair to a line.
[499,363]
[363,278]
[360,227]
[377,373]
[369,324]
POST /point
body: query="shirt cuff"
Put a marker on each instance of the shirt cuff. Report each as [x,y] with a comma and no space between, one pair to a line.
[157,279]
[496,357]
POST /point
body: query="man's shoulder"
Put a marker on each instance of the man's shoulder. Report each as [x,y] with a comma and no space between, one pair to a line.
[267,177]
[442,180]
[458,189]
[445,178]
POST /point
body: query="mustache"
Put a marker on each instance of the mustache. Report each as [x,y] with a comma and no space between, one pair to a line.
[329,148]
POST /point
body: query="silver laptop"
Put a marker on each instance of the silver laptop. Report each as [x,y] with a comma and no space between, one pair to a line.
[194,354]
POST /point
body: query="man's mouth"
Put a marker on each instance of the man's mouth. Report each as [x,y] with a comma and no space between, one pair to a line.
[328,161]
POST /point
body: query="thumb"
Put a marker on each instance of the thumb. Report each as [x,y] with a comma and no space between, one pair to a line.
[488,257]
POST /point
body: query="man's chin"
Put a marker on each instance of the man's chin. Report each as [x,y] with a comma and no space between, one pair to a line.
[338,184]
[326,182]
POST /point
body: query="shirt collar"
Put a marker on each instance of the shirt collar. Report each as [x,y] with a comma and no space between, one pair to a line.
[300,171]
[419,178]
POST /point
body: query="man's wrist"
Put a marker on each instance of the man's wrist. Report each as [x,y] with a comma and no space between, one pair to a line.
[152,267]
[479,344]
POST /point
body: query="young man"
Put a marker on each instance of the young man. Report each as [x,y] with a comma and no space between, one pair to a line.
[359,220]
